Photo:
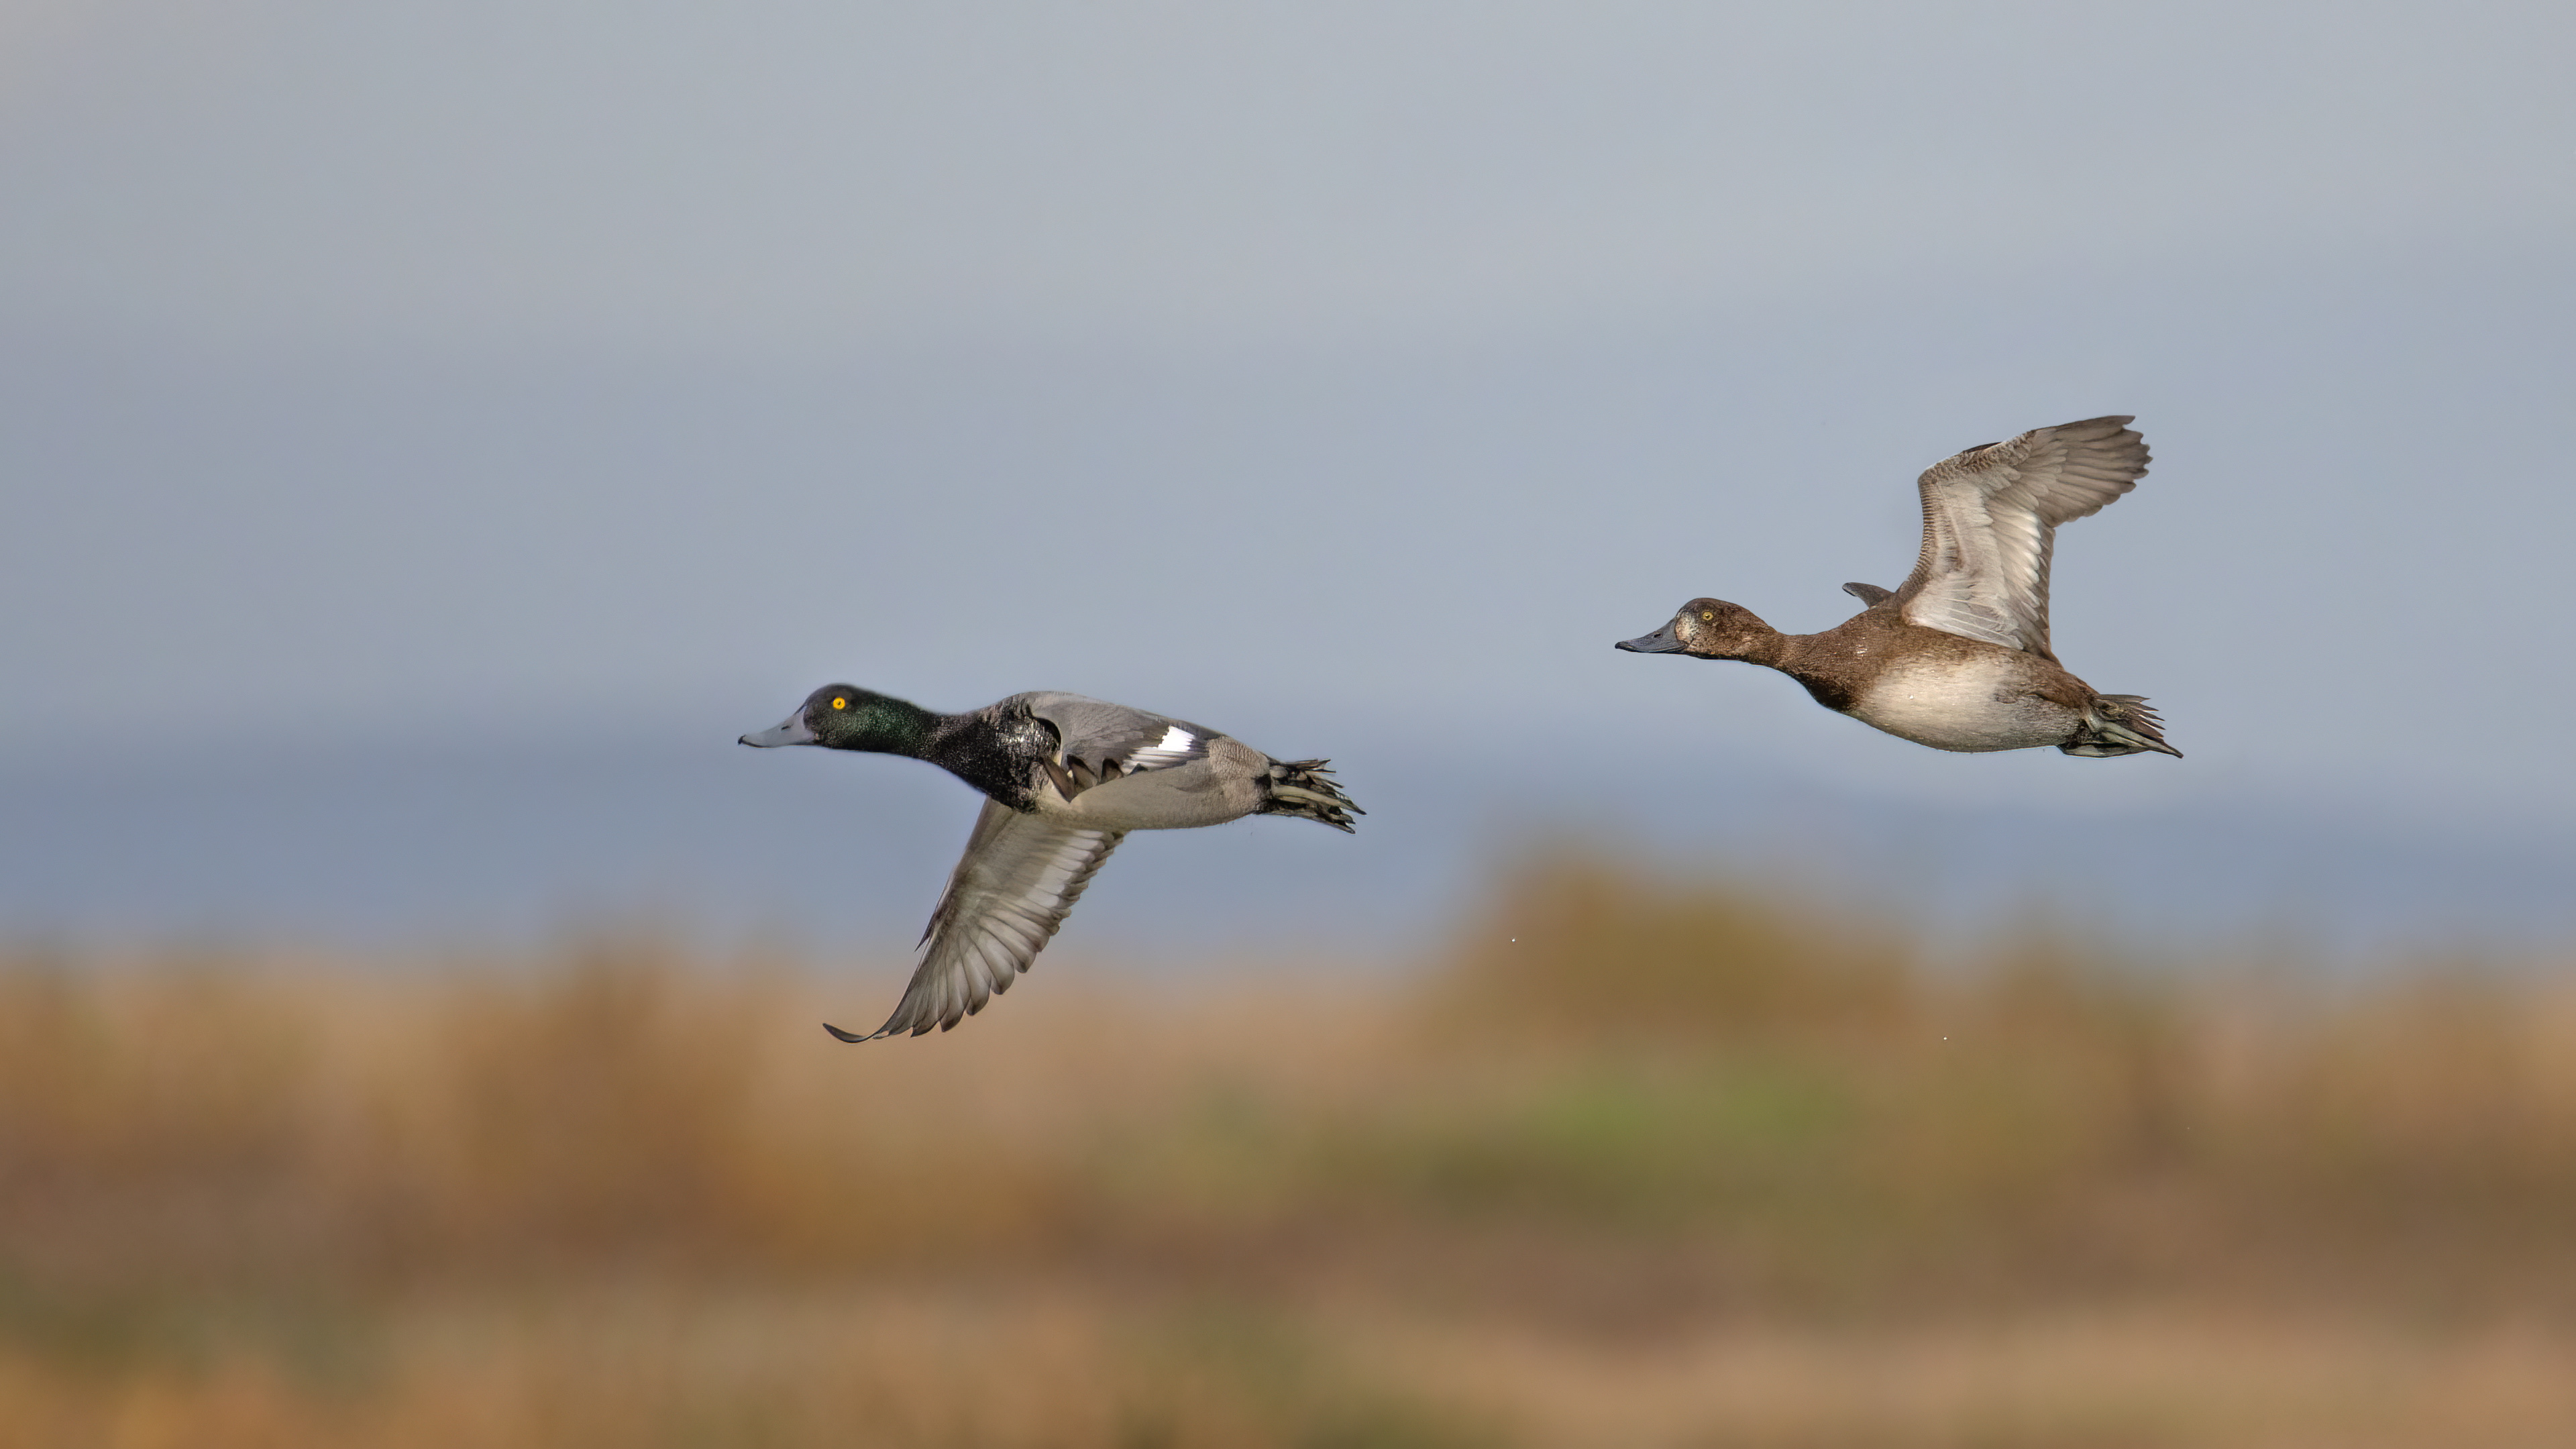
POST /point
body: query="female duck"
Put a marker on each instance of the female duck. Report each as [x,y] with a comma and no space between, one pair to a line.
[1064,779]
[1957,656]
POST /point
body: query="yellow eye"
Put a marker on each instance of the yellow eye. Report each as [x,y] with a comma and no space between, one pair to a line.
[1706,616]
[839,703]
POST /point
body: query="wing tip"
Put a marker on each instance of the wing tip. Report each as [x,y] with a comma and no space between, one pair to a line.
[847,1036]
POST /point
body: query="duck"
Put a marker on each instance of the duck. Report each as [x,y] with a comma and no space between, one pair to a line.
[1064,779]
[1957,657]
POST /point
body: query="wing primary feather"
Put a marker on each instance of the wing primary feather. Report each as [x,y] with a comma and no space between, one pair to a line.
[1990,516]
[1008,895]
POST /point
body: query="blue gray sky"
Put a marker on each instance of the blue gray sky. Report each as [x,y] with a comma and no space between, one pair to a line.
[465,381]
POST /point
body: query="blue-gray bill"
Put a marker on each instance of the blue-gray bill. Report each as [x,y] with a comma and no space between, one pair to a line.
[1662,641]
[793,732]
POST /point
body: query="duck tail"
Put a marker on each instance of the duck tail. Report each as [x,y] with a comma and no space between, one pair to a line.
[1305,789]
[2120,724]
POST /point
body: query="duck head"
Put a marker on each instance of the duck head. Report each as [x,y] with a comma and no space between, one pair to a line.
[846,717]
[1707,629]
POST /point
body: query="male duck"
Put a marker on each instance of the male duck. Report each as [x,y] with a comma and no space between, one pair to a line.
[1064,778]
[1957,657]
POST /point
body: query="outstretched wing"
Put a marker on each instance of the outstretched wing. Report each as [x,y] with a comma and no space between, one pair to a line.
[1990,517]
[1019,877]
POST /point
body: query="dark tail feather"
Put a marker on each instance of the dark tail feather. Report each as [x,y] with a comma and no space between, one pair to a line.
[2120,724]
[1305,789]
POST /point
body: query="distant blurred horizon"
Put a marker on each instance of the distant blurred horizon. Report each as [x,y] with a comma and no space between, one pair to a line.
[512,845]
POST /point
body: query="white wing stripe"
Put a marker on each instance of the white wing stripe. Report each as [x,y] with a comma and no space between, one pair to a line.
[1177,746]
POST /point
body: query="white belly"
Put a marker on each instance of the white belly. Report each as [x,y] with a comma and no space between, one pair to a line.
[1963,704]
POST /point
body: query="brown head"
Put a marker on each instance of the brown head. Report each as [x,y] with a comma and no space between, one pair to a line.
[1709,629]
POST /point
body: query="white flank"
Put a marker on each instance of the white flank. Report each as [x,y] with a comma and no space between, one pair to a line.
[1953,705]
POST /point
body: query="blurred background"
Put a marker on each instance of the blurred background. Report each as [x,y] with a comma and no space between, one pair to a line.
[432,431]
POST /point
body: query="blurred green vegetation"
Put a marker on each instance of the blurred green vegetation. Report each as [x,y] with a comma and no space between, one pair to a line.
[617,1196]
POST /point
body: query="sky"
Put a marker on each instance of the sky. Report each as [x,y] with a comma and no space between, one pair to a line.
[394,382]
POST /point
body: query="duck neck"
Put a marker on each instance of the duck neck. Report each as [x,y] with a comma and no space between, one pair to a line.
[1761,644]
[1831,665]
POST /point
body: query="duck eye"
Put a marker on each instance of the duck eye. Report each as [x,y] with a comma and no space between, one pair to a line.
[838,702]
[1706,616]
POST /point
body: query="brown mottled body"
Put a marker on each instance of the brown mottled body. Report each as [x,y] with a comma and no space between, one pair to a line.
[1919,684]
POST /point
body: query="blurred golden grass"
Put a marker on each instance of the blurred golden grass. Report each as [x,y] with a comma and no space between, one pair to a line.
[1637,1161]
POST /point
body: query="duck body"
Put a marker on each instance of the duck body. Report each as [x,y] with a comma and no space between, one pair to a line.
[1065,778]
[1932,688]
[1977,699]
[1102,766]
[1958,656]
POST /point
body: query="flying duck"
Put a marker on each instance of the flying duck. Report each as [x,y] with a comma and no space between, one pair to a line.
[1957,656]
[1064,779]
